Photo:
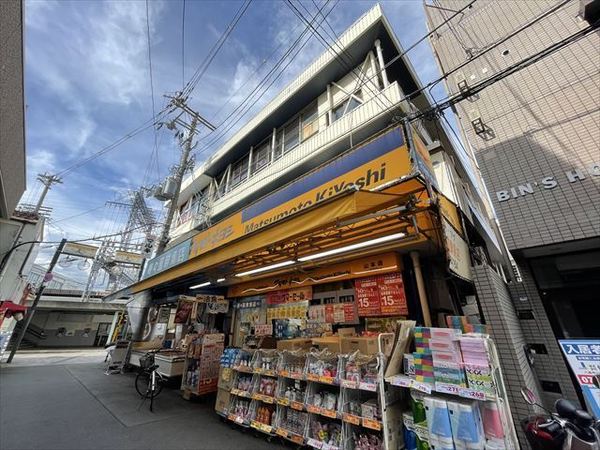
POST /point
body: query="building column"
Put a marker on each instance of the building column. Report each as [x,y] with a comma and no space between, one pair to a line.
[384,77]
[505,329]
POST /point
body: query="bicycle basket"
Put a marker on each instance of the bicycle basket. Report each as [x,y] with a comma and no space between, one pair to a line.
[147,361]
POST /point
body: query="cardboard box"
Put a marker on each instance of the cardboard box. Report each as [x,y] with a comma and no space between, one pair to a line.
[225,378]
[365,345]
[331,343]
[294,344]
[346,332]
[222,403]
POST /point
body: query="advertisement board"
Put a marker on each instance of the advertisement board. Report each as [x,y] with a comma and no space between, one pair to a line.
[583,357]
[457,252]
[289,296]
[381,295]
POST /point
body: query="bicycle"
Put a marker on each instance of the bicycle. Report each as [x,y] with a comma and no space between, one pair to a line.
[148,383]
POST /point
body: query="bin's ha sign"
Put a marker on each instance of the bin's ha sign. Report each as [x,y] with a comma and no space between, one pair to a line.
[382,295]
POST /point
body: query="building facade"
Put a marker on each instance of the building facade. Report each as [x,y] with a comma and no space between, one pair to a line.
[536,138]
[329,183]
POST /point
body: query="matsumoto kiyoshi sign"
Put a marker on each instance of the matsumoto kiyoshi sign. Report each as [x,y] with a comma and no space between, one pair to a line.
[377,162]
[548,183]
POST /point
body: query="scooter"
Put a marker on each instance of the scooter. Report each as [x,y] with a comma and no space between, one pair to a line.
[568,428]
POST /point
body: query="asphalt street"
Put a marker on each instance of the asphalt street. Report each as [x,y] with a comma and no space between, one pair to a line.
[67,406]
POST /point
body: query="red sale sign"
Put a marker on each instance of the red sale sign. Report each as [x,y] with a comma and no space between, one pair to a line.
[391,293]
[381,296]
[367,297]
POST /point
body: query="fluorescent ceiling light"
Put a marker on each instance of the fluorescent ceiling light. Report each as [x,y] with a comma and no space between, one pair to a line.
[265,268]
[206,283]
[351,247]
[220,280]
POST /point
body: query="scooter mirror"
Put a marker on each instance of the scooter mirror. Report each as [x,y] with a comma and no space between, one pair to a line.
[528,396]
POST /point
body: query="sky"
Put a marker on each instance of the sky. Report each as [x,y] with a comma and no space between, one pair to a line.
[87,84]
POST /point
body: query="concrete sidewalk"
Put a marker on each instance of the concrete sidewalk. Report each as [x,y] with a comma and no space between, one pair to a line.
[63,407]
[44,357]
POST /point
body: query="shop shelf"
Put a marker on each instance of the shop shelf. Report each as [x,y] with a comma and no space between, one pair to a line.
[262,427]
[240,393]
[292,437]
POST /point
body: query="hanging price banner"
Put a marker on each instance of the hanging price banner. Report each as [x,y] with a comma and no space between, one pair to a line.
[367,297]
[391,293]
[381,296]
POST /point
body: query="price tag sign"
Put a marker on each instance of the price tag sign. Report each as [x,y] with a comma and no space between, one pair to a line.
[327,380]
[283,401]
[297,405]
[328,413]
[312,377]
[401,381]
[368,386]
[239,420]
[351,418]
[314,443]
[349,384]
[421,386]
[471,393]
[313,409]
[297,439]
[281,432]
[421,431]
[372,424]
[446,388]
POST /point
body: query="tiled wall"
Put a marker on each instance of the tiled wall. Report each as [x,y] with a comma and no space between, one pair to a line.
[549,367]
[540,122]
[500,315]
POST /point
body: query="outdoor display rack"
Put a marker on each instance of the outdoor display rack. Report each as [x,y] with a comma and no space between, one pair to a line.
[483,385]
[321,399]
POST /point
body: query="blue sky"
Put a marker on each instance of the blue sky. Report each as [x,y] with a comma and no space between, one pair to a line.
[87,84]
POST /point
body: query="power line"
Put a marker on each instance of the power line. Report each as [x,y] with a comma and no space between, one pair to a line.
[205,64]
[238,113]
[182,46]
[154,154]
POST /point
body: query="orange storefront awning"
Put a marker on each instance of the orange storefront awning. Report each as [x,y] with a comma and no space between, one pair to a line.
[343,207]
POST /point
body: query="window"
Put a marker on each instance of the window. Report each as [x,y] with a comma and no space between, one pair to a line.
[291,135]
[278,150]
[310,121]
[239,172]
[261,155]
[347,105]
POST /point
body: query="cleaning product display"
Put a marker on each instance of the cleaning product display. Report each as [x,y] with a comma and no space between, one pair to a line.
[324,399]
[229,357]
[241,409]
[295,392]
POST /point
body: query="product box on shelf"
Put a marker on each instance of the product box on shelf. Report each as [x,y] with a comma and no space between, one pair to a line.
[367,345]
[294,344]
[331,343]
[222,402]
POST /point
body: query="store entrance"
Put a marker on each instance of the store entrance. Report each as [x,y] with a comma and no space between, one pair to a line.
[569,286]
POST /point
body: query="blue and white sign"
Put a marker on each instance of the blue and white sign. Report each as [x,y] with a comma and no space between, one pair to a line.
[583,357]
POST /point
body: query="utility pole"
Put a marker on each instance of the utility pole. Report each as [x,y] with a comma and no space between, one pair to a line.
[47,180]
[38,295]
[187,143]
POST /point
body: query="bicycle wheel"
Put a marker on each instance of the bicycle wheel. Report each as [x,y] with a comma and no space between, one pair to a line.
[142,385]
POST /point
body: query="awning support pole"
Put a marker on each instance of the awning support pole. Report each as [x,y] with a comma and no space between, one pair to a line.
[421,288]
[379,51]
